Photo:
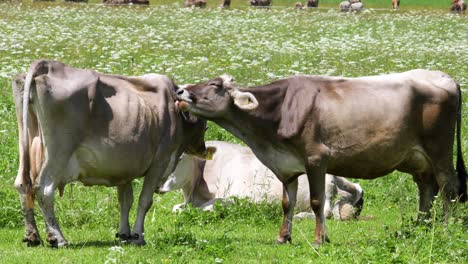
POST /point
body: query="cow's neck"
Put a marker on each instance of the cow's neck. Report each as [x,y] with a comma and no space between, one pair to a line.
[258,128]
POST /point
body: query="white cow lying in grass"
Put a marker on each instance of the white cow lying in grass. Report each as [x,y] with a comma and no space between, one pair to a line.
[235,171]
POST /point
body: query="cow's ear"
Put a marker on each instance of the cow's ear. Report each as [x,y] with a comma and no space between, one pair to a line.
[244,100]
[297,106]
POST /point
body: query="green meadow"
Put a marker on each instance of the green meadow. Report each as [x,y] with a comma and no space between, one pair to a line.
[256,46]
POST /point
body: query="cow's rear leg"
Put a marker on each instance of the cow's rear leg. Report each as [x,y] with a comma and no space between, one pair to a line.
[448,183]
[125,195]
[31,236]
[289,201]
[428,188]
[45,196]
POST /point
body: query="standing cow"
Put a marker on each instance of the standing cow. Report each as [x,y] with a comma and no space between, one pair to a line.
[195,3]
[80,125]
[235,171]
[361,127]
[458,7]
[259,2]
[312,3]
[395,4]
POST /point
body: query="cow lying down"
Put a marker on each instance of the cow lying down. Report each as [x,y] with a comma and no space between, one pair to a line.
[235,171]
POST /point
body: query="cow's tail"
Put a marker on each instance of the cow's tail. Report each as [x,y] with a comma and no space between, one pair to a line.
[461,169]
[34,70]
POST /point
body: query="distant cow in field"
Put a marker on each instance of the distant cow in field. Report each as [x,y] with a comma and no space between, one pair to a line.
[235,171]
[195,3]
[99,129]
[344,6]
[298,5]
[126,2]
[312,3]
[365,127]
[458,7]
[259,2]
[225,3]
[395,4]
[356,6]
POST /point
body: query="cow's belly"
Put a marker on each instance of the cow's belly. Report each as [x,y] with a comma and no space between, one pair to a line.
[108,165]
[378,162]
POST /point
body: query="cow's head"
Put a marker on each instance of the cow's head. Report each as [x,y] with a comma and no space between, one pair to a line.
[212,99]
[195,139]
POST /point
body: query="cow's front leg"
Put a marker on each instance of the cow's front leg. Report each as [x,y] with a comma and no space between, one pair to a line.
[316,177]
[289,201]
[125,195]
[45,197]
[150,184]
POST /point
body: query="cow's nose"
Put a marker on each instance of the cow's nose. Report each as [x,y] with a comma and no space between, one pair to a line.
[180,92]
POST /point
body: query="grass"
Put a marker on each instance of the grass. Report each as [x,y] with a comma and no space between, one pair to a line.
[255,46]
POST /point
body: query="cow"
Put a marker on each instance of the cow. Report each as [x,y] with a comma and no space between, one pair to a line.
[363,127]
[396,4]
[195,3]
[458,7]
[235,171]
[259,2]
[298,5]
[99,129]
[125,2]
[312,3]
[225,4]
[356,6]
[344,6]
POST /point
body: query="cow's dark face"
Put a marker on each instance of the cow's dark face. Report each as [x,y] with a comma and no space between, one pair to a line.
[214,98]
[195,138]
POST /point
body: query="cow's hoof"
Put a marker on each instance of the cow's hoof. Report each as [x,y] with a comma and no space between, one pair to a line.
[137,240]
[283,239]
[57,243]
[32,241]
[123,238]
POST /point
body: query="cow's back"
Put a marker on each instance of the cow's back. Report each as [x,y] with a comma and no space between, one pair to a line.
[370,124]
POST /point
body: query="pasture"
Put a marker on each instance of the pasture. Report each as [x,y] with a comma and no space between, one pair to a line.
[255,46]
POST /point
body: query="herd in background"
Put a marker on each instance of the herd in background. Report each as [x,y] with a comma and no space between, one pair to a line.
[457,7]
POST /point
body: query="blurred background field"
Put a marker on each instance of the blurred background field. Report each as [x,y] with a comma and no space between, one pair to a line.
[255,46]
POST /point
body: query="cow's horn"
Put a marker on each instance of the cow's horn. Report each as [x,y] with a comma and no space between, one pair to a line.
[227,80]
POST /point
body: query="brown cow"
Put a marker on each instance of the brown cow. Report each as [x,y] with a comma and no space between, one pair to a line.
[312,3]
[195,3]
[395,4]
[458,7]
[361,127]
[126,2]
[99,129]
[225,3]
[259,2]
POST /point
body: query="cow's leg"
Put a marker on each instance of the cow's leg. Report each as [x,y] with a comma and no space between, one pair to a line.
[125,195]
[427,187]
[448,183]
[44,191]
[150,184]
[289,201]
[31,236]
[316,176]
[330,192]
